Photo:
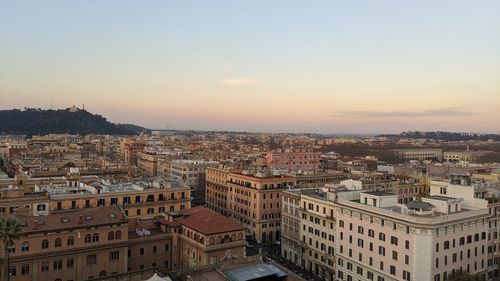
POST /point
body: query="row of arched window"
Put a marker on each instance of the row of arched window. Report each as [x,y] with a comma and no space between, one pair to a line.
[70,241]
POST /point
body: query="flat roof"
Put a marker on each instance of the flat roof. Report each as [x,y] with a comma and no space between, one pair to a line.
[254,272]
[440,197]
[378,193]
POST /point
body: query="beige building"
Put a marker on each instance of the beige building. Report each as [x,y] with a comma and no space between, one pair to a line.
[254,199]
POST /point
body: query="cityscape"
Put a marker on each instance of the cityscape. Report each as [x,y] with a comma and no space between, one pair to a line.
[249,140]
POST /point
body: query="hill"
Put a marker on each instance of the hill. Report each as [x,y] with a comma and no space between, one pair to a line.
[33,121]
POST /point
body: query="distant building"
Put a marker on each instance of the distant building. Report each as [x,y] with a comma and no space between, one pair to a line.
[418,154]
[192,173]
[292,159]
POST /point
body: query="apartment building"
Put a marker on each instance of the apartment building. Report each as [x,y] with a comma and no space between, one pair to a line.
[130,150]
[379,239]
[419,153]
[217,189]
[291,247]
[254,200]
[147,163]
[192,173]
[69,245]
[317,230]
[205,237]
[312,180]
[14,197]
[291,159]
[94,243]
[138,200]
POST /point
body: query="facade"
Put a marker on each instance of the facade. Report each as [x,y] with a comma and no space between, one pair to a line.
[204,237]
[463,156]
[141,200]
[70,245]
[315,180]
[130,150]
[147,163]
[418,154]
[192,173]
[379,239]
[291,249]
[254,201]
[217,189]
[292,159]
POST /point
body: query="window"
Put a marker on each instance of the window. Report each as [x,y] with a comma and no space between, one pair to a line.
[45,244]
[25,269]
[141,251]
[58,265]
[154,249]
[70,241]
[88,239]
[25,247]
[91,259]
[111,235]
[395,255]
[407,244]
[45,266]
[58,243]
[95,237]
[394,240]
[118,235]
[114,256]
[70,262]
[381,236]
[393,270]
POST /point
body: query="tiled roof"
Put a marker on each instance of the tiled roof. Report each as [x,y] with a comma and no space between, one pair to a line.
[71,219]
[207,222]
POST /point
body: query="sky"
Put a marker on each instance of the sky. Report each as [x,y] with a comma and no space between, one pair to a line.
[267,66]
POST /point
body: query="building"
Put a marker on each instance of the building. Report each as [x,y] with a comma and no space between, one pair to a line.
[138,200]
[192,173]
[292,159]
[379,239]
[70,245]
[14,197]
[419,154]
[205,237]
[463,156]
[312,180]
[254,201]
[147,163]
[216,189]
[131,149]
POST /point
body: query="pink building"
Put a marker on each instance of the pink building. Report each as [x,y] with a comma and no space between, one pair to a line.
[292,159]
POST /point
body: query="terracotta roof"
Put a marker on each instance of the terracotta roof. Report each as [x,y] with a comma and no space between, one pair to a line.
[71,219]
[207,222]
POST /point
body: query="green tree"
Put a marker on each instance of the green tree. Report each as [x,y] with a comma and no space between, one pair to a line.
[10,230]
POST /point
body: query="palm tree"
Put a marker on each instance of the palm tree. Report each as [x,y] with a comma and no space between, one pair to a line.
[10,230]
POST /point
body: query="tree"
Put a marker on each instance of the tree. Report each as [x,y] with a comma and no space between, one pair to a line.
[10,230]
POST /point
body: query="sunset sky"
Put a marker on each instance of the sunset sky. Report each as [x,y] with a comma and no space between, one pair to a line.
[271,66]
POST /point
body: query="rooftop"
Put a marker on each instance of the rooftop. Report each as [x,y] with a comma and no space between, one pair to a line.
[378,193]
[262,271]
[71,219]
[207,222]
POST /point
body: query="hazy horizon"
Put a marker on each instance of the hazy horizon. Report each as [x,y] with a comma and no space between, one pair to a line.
[360,67]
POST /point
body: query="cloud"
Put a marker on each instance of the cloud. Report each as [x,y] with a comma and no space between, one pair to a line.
[444,112]
[237,82]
